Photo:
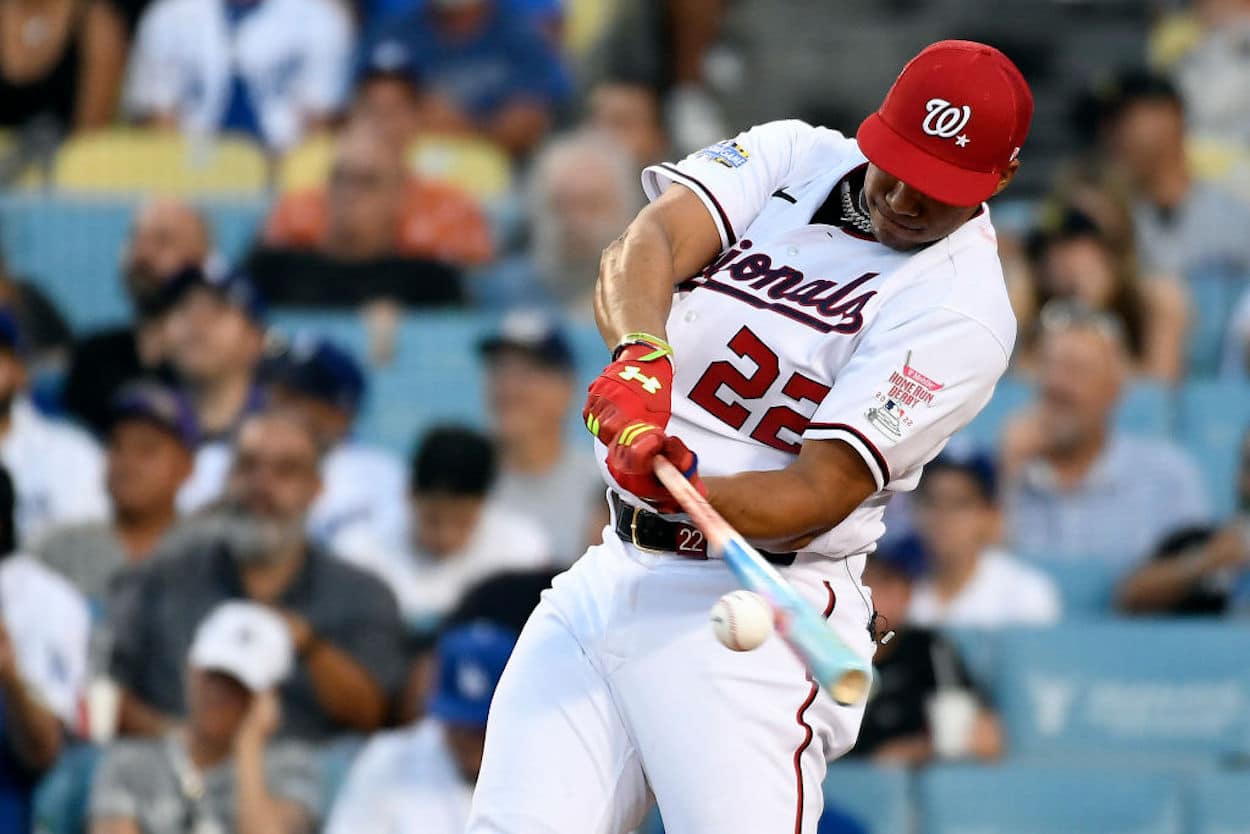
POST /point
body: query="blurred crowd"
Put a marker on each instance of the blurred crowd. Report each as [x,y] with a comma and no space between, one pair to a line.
[216,592]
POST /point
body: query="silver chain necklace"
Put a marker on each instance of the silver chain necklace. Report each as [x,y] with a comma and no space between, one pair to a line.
[854,214]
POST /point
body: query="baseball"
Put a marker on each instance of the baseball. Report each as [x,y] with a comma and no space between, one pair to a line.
[742,620]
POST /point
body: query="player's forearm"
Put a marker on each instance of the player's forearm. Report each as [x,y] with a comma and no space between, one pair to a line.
[635,289]
[791,517]
[810,496]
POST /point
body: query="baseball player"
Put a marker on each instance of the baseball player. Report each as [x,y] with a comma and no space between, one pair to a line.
[813,316]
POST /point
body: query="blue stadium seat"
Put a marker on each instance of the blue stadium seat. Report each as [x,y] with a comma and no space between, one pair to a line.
[1176,693]
[1213,416]
[70,247]
[435,375]
[877,797]
[1086,585]
[1214,293]
[1011,394]
[979,650]
[1024,799]
[1221,803]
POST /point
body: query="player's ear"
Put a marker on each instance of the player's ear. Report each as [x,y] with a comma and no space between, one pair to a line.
[1008,175]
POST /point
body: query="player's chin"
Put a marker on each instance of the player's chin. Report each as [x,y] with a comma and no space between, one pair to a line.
[895,235]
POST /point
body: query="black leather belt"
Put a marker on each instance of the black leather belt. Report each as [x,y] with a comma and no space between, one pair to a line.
[651,531]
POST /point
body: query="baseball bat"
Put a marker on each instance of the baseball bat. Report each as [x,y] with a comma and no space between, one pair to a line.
[842,673]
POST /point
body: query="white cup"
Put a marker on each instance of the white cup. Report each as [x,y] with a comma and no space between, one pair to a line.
[952,713]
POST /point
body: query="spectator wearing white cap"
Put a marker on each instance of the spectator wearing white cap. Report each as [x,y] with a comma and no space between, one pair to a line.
[57,470]
[343,621]
[219,772]
[426,772]
[44,628]
[531,378]
[362,507]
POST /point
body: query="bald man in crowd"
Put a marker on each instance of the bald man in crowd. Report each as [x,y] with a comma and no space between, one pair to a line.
[1076,485]
[166,236]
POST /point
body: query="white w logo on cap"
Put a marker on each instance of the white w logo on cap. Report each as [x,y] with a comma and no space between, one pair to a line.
[945,119]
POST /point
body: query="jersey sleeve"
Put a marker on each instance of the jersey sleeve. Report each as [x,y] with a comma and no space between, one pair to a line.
[908,388]
[735,178]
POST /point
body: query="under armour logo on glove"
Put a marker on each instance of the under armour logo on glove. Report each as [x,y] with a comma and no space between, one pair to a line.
[649,383]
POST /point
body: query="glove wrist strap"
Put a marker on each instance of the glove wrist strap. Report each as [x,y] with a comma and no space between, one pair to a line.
[660,348]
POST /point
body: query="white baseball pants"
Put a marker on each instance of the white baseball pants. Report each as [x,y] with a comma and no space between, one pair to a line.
[618,694]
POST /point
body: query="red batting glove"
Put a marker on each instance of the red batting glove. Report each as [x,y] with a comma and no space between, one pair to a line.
[631,463]
[636,388]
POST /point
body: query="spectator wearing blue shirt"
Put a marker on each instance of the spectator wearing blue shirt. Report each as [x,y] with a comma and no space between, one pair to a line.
[483,70]
[1076,486]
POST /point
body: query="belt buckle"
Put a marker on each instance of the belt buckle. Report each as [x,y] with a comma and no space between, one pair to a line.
[633,533]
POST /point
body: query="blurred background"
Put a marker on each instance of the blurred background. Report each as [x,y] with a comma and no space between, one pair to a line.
[294,330]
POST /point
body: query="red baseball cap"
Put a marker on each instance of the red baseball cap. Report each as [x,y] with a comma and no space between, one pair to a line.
[954,120]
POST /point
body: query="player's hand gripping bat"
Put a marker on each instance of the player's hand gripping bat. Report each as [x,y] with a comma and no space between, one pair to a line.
[842,673]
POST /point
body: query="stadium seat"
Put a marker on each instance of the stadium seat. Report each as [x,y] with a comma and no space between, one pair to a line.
[1024,799]
[474,165]
[1213,416]
[1221,803]
[877,797]
[1177,693]
[1086,585]
[307,165]
[1214,293]
[70,246]
[335,762]
[133,161]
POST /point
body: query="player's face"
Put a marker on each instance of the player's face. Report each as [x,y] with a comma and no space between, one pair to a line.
[146,466]
[955,520]
[905,218]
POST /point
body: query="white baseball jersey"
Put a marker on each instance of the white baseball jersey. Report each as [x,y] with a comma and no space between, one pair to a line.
[617,691]
[806,331]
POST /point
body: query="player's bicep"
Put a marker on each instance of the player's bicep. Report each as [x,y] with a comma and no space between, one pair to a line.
[690,232]
[907,390]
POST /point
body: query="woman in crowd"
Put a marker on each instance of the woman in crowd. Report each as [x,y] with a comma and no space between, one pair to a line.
[61,63]
[1084,256]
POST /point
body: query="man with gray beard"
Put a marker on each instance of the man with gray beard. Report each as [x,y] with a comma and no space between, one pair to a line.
[343,622]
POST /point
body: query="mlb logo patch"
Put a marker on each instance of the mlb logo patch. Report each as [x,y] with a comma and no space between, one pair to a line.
[728,153]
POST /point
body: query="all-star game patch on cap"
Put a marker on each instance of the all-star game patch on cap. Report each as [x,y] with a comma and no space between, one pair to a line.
[952,123]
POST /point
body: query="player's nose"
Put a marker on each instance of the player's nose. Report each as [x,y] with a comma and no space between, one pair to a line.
[903,199]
